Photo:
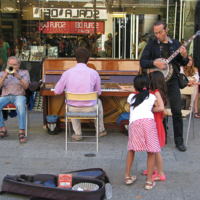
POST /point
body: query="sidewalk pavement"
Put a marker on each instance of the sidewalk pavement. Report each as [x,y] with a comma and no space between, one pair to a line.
[44,153]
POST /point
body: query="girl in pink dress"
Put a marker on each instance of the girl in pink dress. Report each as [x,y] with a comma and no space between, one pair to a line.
[143,134]
[159,89]
[158,85]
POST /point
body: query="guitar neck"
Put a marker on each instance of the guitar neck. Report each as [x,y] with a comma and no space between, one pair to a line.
[178,50]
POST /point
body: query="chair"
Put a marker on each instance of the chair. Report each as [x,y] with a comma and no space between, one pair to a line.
[10,107]
[81,115]
[185,113]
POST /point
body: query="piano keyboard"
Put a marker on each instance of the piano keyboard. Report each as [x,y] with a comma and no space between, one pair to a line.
[103,89]
[109,89]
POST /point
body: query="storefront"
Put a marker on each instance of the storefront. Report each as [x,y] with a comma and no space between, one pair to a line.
[108,28]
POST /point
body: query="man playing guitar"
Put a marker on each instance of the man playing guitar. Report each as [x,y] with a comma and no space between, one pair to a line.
[163,47]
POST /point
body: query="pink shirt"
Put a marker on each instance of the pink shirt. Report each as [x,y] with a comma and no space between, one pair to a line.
[79,79]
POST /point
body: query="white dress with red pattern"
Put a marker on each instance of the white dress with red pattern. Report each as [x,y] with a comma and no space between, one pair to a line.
[143,134]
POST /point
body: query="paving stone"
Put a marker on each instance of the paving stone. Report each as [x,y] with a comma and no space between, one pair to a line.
[7,149]
[191,192]
[41,163]
[45,153]
[8,162]
[120,165]
[85,163]
[194,178]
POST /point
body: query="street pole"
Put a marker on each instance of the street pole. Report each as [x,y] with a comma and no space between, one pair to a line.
[94,17]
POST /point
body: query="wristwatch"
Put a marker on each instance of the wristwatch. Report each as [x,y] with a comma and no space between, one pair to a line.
[20,78]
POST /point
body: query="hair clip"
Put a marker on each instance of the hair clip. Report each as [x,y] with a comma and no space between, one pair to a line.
[144,88]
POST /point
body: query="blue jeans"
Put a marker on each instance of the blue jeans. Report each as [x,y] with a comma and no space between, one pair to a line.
[20,103]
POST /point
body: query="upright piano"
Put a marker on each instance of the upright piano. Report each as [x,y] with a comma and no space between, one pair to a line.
[113,72]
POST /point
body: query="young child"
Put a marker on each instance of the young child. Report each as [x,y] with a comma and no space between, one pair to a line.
[142,129]
[159,89]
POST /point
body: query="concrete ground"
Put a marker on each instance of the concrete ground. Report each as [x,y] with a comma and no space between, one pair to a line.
[44,153]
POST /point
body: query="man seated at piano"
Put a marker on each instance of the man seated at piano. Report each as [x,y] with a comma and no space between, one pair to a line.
[13,83]
[81,79]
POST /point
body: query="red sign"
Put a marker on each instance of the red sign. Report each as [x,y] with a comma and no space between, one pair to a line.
[74,27]
[65,180]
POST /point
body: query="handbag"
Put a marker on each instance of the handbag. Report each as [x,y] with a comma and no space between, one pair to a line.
[183,80]
[35,86]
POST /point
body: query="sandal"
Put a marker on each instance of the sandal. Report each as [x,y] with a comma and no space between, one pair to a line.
[77,137]
[146,172]
[22,136]
[130,179]
[196,115]
[157,177]
[103,133]
[4,135]
[150,185]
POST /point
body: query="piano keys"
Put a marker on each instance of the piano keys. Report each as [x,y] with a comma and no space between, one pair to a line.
[110,89]
[103,89]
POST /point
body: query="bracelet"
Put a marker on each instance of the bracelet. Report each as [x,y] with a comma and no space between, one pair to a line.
[20,78]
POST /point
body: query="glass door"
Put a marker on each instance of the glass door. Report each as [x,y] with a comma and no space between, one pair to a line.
[142,32]
[120,37]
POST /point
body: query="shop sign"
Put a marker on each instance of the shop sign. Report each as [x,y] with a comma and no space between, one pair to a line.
[9,15]
[68,13]
[73,27]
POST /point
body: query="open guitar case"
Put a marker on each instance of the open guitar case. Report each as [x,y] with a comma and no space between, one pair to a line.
[37,187]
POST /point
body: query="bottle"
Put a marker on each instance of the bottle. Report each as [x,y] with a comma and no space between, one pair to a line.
[108,188]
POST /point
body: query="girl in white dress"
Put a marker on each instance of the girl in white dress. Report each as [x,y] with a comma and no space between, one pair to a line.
[142,128]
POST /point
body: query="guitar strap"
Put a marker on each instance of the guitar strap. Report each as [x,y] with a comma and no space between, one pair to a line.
[173,63]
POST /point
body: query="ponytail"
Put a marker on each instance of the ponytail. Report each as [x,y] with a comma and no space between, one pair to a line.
[140,97]
[141,84]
